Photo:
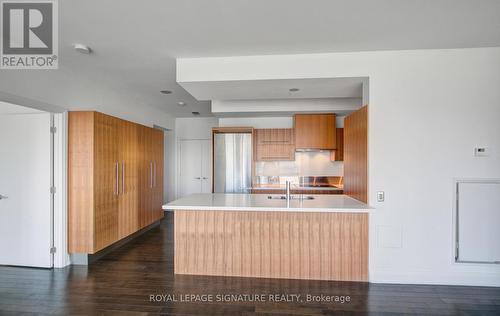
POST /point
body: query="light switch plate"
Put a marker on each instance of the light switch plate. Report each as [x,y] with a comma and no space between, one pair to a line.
[481,152]
[380,196]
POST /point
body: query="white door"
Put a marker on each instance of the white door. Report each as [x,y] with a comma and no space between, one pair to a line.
[190,167]
[206,166]
[195,167]
[25,177]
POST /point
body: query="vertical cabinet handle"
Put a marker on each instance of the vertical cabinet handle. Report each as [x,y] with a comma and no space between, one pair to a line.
[116,179]
[123,177]
[151,174]
[154,183]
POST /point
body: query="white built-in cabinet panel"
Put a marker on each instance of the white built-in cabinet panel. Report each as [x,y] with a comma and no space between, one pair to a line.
[195,167]
[478,221]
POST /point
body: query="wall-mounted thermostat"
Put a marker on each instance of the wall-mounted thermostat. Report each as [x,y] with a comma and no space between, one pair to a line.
[481,152]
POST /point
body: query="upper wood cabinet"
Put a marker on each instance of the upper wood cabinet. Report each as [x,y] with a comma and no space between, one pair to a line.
[338,154]
[115,176]
[271,136]
[274,144]
[315,131]
[356,155]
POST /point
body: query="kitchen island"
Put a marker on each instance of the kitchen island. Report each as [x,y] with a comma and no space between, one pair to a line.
[250,235]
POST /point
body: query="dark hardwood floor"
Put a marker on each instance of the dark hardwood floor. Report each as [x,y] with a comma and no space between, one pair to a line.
[122,283]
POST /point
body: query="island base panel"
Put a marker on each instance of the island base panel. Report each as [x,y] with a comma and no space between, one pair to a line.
[289,245]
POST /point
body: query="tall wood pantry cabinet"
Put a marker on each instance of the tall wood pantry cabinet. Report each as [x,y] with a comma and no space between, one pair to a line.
[115,180]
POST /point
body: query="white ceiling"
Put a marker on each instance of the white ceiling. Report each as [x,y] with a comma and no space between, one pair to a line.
[135,43]
[9,108]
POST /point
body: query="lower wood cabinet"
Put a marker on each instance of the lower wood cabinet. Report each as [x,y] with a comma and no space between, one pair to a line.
[115,180]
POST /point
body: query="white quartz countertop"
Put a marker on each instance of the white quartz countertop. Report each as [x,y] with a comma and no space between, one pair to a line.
[261,203]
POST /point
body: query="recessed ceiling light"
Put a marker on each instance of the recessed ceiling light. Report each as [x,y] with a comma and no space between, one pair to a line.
[84,49]
[293,89]
[166,91]
[196,113]
[180,103]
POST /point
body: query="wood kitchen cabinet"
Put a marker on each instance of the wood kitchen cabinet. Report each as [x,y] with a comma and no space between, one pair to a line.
[338,154]
[106,182]
[145,170]
[274,144]
[356,155]
[115,176]
[158,169]
[315,131]
[128,159]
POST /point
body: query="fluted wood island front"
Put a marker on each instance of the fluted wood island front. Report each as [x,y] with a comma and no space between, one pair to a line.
[250,235]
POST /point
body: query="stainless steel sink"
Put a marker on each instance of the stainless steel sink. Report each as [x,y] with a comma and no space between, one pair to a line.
[294,197]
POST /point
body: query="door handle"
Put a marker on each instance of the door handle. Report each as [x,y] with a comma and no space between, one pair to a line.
[205,178]
[123,177]
[3,197]
[197,178]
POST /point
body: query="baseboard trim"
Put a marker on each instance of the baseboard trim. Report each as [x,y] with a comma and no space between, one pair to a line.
[87,259]
[460,278]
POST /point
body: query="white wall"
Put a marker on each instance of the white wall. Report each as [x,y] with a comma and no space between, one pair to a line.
[428,110]
[195,127]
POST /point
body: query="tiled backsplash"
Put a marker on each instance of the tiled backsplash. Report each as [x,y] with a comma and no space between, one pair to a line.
[305,164]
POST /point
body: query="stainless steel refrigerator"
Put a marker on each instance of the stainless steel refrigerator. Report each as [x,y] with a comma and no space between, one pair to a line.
[232,162]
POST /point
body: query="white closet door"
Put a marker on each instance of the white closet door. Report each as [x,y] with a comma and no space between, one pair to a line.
[479,221]
[206,166]
[190,181]
[25,199]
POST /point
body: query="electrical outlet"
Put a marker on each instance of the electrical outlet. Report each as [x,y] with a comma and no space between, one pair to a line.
[380,196]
